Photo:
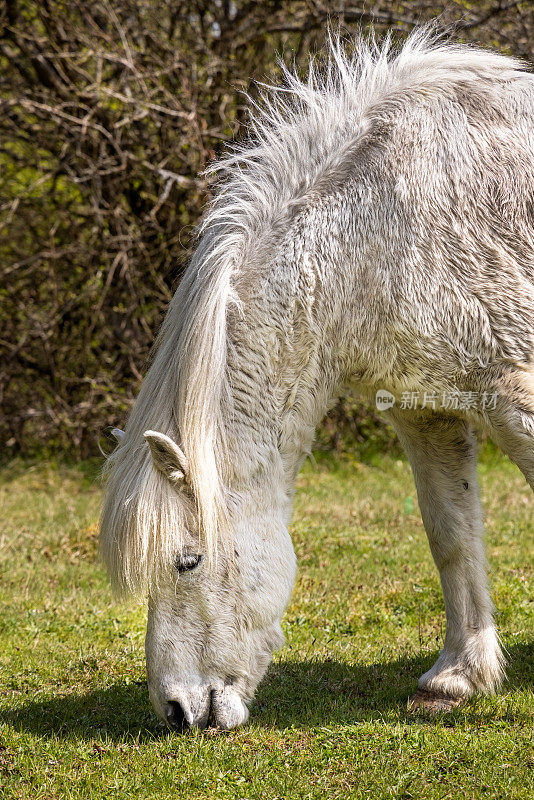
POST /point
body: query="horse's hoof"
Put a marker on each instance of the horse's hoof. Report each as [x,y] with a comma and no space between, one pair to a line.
[433,702]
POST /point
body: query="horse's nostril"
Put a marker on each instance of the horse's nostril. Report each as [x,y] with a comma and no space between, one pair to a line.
[175,716]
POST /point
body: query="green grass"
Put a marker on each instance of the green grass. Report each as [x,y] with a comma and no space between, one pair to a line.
[329,720]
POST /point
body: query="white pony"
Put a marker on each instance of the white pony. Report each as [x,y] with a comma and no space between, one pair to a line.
[376,230]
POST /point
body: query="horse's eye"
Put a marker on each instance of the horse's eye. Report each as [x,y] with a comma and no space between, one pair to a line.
[186,562]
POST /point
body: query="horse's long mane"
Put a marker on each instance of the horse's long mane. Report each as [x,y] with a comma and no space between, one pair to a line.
[302,137]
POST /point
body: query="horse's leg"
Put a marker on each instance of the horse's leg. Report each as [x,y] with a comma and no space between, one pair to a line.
[511,423]
[443,456]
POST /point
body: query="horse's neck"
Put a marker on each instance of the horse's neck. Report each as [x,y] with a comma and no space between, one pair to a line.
[280,391]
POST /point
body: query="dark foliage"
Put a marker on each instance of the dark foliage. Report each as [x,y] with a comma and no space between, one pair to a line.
[109,112]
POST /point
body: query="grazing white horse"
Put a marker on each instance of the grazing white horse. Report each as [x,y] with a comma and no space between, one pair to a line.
[377,230]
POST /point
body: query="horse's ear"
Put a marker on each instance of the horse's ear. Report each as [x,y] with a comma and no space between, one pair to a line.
[117,434]
[167,456]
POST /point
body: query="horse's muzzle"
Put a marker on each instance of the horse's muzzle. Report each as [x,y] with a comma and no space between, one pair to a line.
[225,710]
[176,718]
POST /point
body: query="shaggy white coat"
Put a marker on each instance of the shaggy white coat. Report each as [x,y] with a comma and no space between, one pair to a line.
[376,229]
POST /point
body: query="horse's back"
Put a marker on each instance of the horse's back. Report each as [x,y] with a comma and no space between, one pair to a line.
[457,179]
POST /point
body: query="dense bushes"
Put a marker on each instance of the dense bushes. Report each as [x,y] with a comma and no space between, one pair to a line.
[109,112]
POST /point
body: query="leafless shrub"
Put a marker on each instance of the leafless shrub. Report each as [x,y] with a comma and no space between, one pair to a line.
[109,112]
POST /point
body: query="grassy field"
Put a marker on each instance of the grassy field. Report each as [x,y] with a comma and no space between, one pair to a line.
[330,718]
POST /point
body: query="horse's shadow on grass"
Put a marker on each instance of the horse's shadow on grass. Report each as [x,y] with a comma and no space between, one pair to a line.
[303,694]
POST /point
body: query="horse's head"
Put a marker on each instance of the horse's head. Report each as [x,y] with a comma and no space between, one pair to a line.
[213,622]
